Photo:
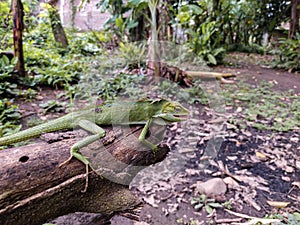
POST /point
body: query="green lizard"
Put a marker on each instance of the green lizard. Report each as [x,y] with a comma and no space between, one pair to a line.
[143,112]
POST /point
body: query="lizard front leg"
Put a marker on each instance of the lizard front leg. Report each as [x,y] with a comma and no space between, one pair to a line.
[142,137]
[98,133]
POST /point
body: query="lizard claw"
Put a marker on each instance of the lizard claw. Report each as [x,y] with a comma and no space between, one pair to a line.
[65,162]
[86,173]
[86,178]
[155,149]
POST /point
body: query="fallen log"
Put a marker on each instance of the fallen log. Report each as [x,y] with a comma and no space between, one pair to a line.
[34,189]
[208,74]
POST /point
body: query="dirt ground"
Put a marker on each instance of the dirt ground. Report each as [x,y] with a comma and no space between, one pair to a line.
[248,67]
[274,178]
[259,166]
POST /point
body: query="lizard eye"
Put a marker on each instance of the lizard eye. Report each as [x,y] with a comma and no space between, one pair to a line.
[177,109]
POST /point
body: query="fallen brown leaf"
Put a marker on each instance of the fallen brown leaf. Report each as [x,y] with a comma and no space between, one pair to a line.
[278,204]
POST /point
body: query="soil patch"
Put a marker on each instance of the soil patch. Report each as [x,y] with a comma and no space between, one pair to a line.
[266,164]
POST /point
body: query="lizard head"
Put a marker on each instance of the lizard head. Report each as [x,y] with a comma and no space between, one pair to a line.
[172,111]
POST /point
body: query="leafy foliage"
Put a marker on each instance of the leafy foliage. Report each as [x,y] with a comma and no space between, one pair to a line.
[202,45]
[111,87]
[286,218]
[207,203]
[133,54]
[53,106]
[6,25]
[288,54]
[6,73]
[9,117]
[122,22]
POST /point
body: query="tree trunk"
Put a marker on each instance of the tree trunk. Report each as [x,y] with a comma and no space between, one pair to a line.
[141,32]
[57,28]
[34,189]
[18,27]
[295,13]
[153,64]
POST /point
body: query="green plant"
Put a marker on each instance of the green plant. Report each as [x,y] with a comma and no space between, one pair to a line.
[134,54]
[124,25]
[202,43]
[53,106]
[191,221]
[51,68]
[122,22]
[6,26]
[49,64]
[9,117]
[208,203]
[27,94]
[6,76]
[196,93]
[286,218]
[87,43]
[249,48]
[122,85]
[288,54]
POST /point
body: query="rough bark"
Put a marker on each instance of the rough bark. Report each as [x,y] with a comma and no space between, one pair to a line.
[34,189]
[18,27]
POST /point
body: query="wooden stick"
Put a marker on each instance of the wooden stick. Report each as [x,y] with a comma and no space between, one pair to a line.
[207,74]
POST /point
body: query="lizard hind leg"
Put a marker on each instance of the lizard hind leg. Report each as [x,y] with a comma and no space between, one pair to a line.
[91,127]
[74,153]
[98,133]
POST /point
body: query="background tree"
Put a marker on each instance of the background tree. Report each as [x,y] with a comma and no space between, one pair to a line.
[18,27]
[57,28]
[295,13]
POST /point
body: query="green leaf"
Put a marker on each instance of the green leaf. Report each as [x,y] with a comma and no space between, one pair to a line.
[132,24]
[103,5]
[297,216]
[215,205]
[122,45]
[198,206]
[194,201]
[208,209]
[183,17]
[196,9]
[4,61]
[136,3]
[212,59]
[203,197]
[119,22]
[218,51]
[14,60]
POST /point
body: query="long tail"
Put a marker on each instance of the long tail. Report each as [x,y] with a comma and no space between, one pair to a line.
[54,125]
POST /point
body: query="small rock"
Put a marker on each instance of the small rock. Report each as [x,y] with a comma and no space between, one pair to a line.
[212,187]
[231,182]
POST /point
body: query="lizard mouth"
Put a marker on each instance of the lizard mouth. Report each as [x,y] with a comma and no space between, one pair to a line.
[181,116]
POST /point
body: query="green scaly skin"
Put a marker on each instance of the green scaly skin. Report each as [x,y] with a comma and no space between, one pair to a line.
[142,112]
